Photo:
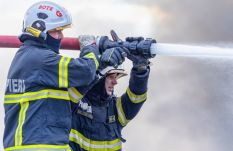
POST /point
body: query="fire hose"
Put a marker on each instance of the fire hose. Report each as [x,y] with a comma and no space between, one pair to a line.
[147,48]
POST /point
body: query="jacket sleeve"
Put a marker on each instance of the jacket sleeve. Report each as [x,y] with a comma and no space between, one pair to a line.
[64,72]
[129,104]
[77,93]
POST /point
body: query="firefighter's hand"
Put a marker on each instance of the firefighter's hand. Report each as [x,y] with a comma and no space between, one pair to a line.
[103,42]
[140,63]
[112,57]
[85,40]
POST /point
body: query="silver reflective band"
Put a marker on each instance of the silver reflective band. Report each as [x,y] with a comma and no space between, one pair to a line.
[136,98]
[75,95]
[88,144]
[39,148]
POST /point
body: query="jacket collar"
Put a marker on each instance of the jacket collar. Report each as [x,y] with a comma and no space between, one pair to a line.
[27,39]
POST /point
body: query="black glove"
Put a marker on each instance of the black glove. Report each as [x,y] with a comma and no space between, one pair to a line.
[104,43]
[140,63]
[112,57]
[139,52]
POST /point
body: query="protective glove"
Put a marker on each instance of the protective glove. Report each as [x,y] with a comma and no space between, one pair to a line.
[139,52]
[112,57]
[140,63]
[89,49]
[85,40]
[103,43]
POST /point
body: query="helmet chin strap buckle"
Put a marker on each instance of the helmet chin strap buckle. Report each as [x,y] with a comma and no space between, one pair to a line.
[35,32]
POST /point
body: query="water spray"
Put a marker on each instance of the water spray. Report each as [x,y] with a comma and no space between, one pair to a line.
[165,49]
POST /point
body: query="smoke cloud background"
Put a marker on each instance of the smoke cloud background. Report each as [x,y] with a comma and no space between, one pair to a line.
[189,104]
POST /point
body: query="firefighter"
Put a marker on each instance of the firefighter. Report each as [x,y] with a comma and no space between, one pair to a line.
[37,103]
[99,116]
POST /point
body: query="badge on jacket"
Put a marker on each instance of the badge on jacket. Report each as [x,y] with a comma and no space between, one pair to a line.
[85,109]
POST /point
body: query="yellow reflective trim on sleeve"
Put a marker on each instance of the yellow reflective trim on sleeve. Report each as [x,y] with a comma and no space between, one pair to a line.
[121,115]
[66,72]
[21,119]
[92,56]
[33,96]
[136,98]
[60,72]
[75,95]
[94,145]
[39,147]
[63,72]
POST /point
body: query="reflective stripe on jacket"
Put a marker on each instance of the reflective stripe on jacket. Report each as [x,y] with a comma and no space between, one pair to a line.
[40,148]
[37,102]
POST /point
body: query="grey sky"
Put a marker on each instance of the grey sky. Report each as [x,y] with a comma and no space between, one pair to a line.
[190,99]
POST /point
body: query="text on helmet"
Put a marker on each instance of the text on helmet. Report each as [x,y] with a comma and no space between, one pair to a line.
[46,7]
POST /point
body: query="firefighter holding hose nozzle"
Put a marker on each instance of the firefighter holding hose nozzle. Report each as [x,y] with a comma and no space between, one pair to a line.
[99,116]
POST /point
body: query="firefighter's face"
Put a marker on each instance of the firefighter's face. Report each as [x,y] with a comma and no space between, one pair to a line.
[57,34]
[110,82]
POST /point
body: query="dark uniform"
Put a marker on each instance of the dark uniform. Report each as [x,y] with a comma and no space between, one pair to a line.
[98,118]
[37,103]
